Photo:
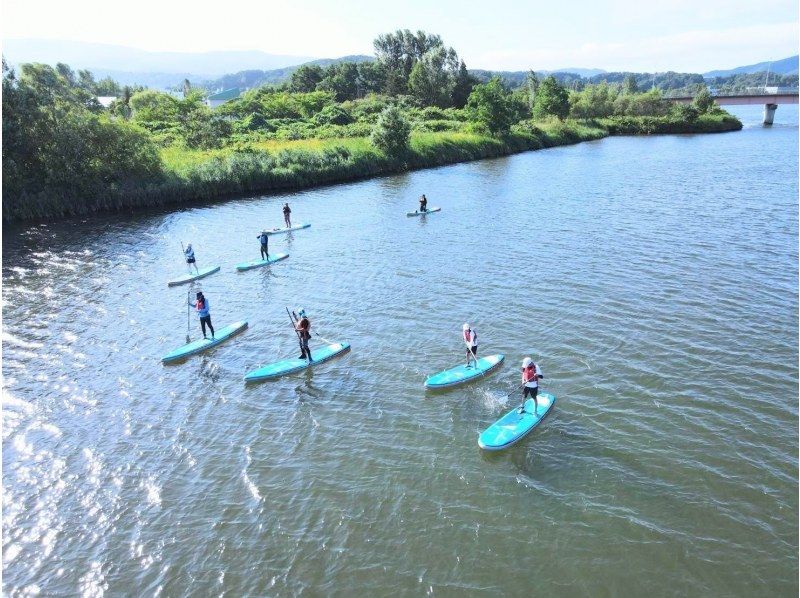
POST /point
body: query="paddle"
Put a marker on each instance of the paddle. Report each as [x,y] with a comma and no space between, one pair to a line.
[293,318]
[188,314]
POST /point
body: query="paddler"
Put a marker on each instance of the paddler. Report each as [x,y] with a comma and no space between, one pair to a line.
[471,340]
[423,203]
[202,307]
[264,239]
[287,215]
[189,253]
[303,327]
[531,373]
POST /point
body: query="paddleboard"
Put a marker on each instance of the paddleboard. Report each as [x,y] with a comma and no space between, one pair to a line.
[258,263]
[203,344]
[461,373]
[287,366]
[190,277]
[513,426]
[278,231]
[418,213]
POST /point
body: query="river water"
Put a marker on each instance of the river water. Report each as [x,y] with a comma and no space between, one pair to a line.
[653,279]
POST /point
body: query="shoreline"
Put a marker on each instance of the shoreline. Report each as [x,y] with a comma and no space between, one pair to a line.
[249,172]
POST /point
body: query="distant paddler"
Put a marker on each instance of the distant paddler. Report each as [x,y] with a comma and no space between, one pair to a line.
[423,203]
[264,239]
[471,340]
[190,260]
[531,374]
[202,308]
[287,215]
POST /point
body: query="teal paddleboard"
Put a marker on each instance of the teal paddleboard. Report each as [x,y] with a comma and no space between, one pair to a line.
[418,213]
[278,231]
[287,366]
[513,426]
[461,374]
[203,344]
[190,277]
[258,263]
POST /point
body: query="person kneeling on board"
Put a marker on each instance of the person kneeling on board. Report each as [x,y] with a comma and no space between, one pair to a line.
[189,253]
[531,373]
[287,215]
[423,203]
[471,340]
[202,307]
[264,238]
[303,327]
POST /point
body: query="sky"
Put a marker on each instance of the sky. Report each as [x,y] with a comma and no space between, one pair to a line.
[643,35]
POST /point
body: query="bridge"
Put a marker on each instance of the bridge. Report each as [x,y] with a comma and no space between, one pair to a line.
[770,98]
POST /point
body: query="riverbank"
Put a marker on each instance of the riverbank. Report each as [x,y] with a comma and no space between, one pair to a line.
[202,175]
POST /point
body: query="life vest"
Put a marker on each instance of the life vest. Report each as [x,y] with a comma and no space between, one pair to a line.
[529,373]
[305,327]
[200,304]
[471,337]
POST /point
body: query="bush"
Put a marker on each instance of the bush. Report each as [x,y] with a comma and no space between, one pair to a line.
[333,114]
[392,132]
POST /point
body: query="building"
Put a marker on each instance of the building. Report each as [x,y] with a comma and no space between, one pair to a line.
[219,98]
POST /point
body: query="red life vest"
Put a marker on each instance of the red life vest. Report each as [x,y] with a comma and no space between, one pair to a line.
[200,305]
[529,373]
[468,336]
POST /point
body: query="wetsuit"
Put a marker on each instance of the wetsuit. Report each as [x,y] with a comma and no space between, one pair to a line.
[304,329]
[264,238]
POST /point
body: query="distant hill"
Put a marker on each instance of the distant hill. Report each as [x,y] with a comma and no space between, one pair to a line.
[112,58]
[254,78]
[786,66]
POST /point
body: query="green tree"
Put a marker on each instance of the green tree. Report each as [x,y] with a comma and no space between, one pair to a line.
[342,80]
[703,101]
[398,52]
[462,86]
[551,100]
[532,86]
[629,86]
[392,132]
[432,78]
[371,77]
[306,78]
[489,106]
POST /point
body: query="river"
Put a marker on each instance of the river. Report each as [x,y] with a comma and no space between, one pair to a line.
[654,279]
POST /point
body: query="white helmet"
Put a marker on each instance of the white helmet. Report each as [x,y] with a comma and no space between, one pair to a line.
[526,362]
[465,326]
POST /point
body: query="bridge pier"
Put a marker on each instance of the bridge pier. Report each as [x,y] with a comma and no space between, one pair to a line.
[769,113]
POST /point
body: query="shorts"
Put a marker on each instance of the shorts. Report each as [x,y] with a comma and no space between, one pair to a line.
[533,392]
[190,260]
[473,350]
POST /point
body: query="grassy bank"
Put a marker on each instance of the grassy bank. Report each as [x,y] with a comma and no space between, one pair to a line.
[273,165]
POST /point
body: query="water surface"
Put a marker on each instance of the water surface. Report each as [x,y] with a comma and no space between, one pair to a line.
[654,280]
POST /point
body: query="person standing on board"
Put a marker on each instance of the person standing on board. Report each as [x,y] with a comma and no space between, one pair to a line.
[287,215]
[423,203]
[531,373]
[471,340]
[303,327]
[202,307]
[264,239]
[189,253]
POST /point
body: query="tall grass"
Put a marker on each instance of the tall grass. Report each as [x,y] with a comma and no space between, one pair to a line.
[192,175]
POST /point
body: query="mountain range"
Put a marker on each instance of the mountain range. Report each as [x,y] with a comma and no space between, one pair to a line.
[786,66]
[244,69]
